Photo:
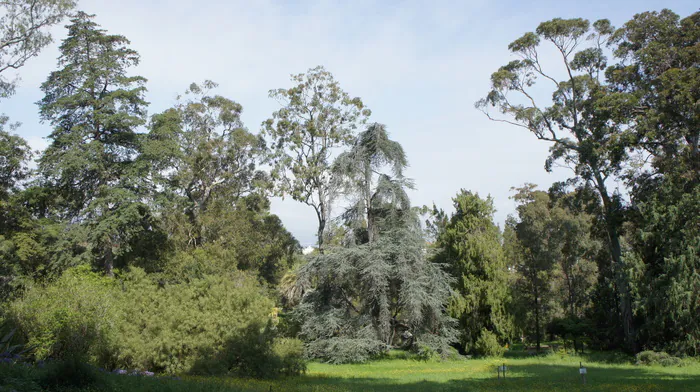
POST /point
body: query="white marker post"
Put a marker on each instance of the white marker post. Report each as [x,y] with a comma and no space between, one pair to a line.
[501,369]
[582,371]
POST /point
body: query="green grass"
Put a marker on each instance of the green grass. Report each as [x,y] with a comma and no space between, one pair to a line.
[549,373]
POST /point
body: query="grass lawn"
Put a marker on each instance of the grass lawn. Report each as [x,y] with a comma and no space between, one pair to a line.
[549,373]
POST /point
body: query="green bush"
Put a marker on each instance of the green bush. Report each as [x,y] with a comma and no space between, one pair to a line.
[657,358]
[68,373]
[487,345]
[135,321]
[291,354]
[167,329]
[255,353]
[69,319]
[17,378]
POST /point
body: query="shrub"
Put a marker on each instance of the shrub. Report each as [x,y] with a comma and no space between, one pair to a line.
[68,319]
[17,378]
[135,322]
[291,353]
[255,353]
[488,346]
[68,373]
[657,358]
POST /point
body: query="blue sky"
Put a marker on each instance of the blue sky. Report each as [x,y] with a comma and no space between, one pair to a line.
[419,65]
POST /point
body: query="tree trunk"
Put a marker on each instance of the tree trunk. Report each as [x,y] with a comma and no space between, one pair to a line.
[537,319]
[611,226]
[109,260]
[319,234]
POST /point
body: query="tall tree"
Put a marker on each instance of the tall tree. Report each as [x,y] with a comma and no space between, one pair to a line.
[316,118]
[659,75]
[537,254]
[579,122]
[359,171]
[213,156]
[95,109]
[362,300]
[470,247]
[23,33]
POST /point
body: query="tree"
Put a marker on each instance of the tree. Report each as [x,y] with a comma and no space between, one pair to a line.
[658,74]
[368,298]
[535,247]
[470,247]
[95,108]
[579,122]
[379,291]
[23,33]
[359,172]
[14,157]
[213,156]
[316,118]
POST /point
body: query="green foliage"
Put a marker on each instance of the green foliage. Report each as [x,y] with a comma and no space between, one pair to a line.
[377,198]
[367,298]
[656,358]
[470,246]
[67,374]
[254,352]
[204,137]
[68,319]
[23,33]
[167,329]
[138,324]
[487,345]
[339,350]
[94,109]
[316,117]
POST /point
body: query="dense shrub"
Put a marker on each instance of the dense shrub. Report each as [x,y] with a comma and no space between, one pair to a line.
[70,318]
[488,346]
[68,373]
[255,352]
[657,358]
[137,322]
[166,329]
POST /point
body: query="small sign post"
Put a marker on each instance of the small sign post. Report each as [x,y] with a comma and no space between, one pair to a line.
[582,371]
[502,369]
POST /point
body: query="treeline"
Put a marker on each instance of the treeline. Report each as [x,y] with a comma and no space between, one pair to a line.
[146,242]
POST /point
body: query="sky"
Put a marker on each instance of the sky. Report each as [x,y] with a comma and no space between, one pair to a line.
[418,65]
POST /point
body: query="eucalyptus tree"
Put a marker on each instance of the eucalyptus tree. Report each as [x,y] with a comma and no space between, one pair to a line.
[23,33]
[95,109]
[200,153]
[580,120]
[469,246]
[360,174]
[317,117]
[659,75]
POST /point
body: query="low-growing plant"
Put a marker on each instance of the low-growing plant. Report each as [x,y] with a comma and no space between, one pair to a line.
[68,373]
[255,352]
[657,358]
[487,345]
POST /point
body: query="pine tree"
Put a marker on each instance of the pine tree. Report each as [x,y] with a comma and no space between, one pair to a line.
[95,109]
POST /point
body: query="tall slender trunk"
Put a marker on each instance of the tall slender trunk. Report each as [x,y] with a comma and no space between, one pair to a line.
[611,226]
[537,318]
[109,260]
[321,214]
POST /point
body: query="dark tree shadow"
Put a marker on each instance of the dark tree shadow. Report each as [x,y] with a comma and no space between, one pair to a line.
[519,378]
